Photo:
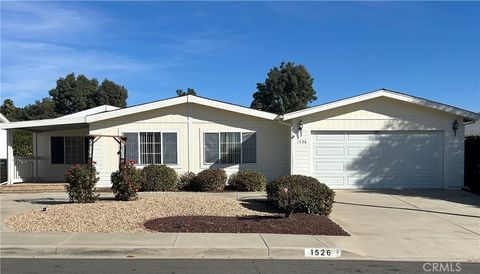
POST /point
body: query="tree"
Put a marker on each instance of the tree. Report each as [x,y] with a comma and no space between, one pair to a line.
[73,94]
[9,110]
[44,109]
[287,88]
[190,91]
[110,93]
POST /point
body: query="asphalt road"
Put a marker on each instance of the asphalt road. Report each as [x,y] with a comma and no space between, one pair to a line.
[22,265]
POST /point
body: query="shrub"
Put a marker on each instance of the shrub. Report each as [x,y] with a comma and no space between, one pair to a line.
[185,181]
[81,180]
[126,182]
[297,193]
[247,180]
[210,180]
[159,178]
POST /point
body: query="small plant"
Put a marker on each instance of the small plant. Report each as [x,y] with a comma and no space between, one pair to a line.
[297,193]
[247,180]
[81,180]
[185,181]
[126,182]
[210,180]
[159,178]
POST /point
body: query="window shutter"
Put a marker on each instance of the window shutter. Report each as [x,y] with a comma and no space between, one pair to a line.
[57,150]
[87,148]
[249,147]
[132,147]
[211,143]
[169,148]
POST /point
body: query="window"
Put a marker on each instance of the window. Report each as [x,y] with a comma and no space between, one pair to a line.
[68,149]
[230,148]
[147,148]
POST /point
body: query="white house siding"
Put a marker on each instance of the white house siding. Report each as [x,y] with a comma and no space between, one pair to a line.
[382,114]
[48,172]
[3,144]
[190,121]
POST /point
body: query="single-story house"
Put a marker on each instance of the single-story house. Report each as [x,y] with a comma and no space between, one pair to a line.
[381,139]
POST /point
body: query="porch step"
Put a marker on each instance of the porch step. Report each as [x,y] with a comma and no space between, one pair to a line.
[33,187]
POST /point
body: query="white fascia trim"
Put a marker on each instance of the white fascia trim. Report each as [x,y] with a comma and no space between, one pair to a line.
[45,122]
[136,109]
[385,93]
[3,119]
[231,107]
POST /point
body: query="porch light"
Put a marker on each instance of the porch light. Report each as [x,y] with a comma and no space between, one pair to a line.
[300,126]
[455,127]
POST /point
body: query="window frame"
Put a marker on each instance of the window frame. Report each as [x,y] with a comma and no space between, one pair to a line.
[161,131]
[202,149]
[65,149]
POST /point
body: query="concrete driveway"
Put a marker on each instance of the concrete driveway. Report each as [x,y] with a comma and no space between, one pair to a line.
[410,224]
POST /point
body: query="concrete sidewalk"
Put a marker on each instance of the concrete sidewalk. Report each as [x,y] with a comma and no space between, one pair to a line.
[402,226]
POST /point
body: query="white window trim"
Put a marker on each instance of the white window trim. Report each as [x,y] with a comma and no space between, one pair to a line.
[161,131]
[227,166]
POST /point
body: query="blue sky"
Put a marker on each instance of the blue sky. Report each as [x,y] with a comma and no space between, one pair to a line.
[222,49]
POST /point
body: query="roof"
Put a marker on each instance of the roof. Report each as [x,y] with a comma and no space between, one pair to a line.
[90,111]
[108,112]
[472,129]
[177,101]
[3,119]
[469,115]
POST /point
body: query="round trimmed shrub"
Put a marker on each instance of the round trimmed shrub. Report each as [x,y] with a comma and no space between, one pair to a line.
[81,180]
[126,181]
[185,181]
[298,193]
[247,180]
[210,180]
[159,178]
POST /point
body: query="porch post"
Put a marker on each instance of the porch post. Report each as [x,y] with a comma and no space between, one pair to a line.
[10,162]
[35,155]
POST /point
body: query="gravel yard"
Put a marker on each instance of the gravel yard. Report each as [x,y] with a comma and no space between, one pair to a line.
[119,216]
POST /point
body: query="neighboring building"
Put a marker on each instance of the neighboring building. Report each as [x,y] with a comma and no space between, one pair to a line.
[3,150]
[382,139]
[472,129]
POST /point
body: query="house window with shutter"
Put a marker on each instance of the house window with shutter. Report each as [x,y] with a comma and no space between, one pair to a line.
[147,148]
[230,147]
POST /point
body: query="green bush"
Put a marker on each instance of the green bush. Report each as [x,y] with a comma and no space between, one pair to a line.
[247,180]
[297,193]
[210,180]
[126,182]
[81,180]
[185,181]
[159,178]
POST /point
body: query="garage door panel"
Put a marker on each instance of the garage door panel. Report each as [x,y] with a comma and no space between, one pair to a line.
[378,160]
[329,151]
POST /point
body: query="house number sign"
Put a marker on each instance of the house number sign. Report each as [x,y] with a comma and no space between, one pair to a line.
[302,141]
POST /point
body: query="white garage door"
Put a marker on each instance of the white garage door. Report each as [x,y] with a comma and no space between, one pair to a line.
[378,159]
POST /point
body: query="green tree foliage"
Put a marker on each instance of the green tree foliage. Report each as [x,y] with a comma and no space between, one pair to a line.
[73,94]
[190,91]
[44,109]
[287,88]
[110,93]
[9,110]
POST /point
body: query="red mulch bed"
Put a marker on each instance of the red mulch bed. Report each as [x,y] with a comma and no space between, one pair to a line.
[300,223]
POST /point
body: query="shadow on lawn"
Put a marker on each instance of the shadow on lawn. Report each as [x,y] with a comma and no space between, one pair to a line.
[58,201]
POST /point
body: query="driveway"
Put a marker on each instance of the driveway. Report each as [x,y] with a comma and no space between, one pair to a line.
[437,224]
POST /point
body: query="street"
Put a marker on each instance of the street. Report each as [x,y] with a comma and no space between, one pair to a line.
[29,265]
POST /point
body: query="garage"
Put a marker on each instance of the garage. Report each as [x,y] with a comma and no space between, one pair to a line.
[378,159]
[380,140]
